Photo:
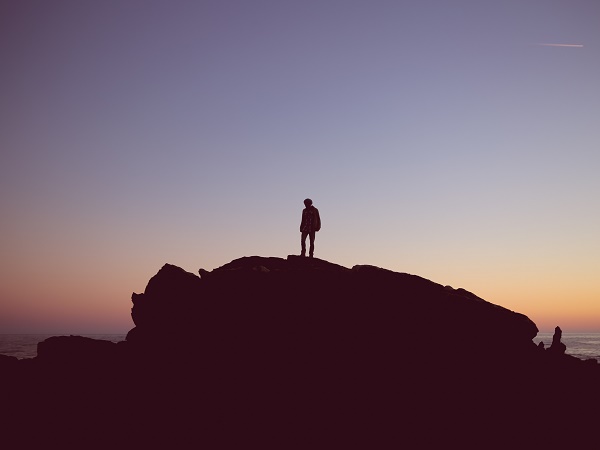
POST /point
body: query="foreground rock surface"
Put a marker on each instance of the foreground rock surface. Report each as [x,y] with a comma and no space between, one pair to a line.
[304,353]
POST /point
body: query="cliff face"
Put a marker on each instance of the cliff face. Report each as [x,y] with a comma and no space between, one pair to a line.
[303,353]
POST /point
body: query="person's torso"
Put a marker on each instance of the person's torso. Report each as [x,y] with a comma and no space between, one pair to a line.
[309,221]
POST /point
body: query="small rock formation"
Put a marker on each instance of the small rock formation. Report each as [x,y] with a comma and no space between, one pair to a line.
[557,347]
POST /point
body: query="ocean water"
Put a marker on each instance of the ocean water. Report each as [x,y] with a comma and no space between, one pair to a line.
[580,345]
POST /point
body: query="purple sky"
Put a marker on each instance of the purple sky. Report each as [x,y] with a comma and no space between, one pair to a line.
[436,137]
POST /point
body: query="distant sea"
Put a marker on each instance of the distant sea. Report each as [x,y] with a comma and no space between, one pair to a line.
[580,345]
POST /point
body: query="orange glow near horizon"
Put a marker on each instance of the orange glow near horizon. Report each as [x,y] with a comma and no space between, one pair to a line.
[88,304]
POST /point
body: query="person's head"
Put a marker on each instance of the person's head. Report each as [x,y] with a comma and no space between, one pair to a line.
[307,202]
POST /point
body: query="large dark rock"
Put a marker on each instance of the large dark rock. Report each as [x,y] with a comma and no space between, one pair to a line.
[306,311]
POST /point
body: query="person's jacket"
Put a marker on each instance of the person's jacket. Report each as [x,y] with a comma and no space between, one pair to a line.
[311,221]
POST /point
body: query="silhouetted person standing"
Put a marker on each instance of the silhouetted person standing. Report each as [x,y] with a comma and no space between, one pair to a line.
[311,223]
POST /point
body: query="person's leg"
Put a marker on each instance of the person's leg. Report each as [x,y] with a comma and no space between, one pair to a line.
[311,249]
[303,243]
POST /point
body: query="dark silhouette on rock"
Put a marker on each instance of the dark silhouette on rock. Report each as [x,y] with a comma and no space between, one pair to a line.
[304,353]
[310,224]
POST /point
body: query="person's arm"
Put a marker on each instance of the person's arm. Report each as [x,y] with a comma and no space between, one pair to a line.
[318,217]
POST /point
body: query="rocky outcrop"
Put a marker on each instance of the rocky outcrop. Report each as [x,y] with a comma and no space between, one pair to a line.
[304,353]
[308,311]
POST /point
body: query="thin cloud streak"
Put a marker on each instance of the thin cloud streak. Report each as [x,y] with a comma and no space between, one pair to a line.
[562,45]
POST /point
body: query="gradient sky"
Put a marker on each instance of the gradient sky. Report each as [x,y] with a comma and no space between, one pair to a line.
[438,138]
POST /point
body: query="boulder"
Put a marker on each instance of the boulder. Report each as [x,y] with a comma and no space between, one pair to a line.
[75,351]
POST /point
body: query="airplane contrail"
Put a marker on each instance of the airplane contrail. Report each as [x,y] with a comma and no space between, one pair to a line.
[562,45]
